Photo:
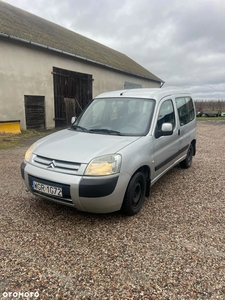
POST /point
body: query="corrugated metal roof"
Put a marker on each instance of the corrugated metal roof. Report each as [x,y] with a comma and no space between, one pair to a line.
[18,23]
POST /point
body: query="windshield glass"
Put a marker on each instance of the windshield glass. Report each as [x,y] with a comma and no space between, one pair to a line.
[126,116]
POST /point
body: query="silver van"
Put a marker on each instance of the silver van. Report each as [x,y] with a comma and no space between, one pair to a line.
[120,145]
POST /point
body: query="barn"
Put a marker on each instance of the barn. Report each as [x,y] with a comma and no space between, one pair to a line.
[48,73]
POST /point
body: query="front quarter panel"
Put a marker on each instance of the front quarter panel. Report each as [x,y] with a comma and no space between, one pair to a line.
[137,154]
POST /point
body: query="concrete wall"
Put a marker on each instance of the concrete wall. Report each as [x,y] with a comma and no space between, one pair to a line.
[26,70]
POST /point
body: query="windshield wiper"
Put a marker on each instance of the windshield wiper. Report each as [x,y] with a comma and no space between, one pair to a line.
[108,131]
[79,127]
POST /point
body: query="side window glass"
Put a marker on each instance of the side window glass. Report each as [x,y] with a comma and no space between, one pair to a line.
[166,114]
[190,106]
[185,108]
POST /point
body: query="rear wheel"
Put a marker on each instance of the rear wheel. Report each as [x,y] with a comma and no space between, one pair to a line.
[135,194]
[186,163]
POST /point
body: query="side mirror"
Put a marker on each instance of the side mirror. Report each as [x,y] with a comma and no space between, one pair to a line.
[73,119]
[167,129]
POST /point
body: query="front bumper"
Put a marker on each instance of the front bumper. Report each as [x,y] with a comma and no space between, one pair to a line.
[102,194]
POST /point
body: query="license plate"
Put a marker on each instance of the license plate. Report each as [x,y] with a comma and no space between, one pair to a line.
[47,189]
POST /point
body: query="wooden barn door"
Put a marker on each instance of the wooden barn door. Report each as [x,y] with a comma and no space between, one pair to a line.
[35,112]
[70,109]
[72,92]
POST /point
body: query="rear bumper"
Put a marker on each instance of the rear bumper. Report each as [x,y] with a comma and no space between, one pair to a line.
[101,194]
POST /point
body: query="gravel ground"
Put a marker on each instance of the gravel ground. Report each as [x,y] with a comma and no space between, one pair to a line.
[173,249]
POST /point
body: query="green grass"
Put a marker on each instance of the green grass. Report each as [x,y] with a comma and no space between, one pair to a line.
[10,140]
[210,118]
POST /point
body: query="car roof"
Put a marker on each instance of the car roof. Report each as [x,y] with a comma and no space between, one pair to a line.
[147,93]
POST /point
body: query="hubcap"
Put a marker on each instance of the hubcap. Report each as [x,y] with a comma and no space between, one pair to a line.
[189,155]
[137,193]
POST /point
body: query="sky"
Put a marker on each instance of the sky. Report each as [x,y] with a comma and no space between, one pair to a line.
[181,42]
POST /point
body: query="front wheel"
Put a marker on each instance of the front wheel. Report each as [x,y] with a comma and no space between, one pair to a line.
[135,194]
[186,163]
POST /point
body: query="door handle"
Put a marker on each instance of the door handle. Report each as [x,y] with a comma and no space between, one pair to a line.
[178,131]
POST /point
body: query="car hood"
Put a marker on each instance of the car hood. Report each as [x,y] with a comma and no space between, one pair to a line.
[82,147]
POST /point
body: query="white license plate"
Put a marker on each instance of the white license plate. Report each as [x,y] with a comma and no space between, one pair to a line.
[47,189]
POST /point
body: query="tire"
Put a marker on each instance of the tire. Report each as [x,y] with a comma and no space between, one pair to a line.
[135,194]
[186,163]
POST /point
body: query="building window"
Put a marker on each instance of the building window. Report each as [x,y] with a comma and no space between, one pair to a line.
[131,85]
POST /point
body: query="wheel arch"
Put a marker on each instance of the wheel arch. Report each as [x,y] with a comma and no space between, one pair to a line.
[147,173]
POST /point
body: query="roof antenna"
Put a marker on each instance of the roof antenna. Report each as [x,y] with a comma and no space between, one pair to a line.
[121,94]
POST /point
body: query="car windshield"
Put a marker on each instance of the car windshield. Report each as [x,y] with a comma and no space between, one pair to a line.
[126,116]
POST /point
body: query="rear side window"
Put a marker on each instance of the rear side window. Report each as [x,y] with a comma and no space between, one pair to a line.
[185,108]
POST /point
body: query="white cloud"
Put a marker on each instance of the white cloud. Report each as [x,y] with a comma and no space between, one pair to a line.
[180,42]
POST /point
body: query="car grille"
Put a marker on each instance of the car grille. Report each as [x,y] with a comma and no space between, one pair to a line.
[55,165]
[55,199]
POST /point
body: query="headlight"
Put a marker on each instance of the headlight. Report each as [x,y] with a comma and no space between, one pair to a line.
[104,165]
[29,152]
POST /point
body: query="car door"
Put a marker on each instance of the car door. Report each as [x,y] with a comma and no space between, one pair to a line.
[165,147]
[186,116]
